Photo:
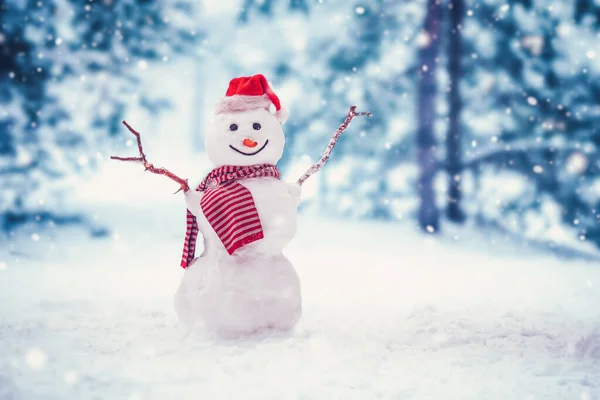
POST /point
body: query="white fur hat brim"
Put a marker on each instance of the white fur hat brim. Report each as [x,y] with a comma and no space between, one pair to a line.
[239,103]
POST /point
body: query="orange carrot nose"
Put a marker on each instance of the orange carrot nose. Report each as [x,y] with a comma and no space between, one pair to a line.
[249,143]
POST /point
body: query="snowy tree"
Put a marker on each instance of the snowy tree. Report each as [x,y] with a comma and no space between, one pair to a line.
[530,91]
[50,51]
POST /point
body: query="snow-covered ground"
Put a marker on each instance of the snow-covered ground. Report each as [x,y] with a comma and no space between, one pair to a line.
[388,314]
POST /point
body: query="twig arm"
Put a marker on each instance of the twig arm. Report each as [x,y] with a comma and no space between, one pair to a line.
[149,166]
[336,135]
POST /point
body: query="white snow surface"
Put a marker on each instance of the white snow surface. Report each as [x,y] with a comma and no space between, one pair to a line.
[388,314]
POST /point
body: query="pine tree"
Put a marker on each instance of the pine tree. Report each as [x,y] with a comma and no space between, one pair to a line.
[538,96]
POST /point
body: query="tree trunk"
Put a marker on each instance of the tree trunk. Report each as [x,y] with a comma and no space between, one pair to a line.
[426,115]
[454,136]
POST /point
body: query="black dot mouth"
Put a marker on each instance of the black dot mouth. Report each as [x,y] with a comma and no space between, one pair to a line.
[251,154]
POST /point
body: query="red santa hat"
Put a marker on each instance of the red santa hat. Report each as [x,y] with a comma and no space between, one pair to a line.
[251,93]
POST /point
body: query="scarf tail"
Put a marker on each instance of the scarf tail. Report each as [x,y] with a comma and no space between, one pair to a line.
[191,235]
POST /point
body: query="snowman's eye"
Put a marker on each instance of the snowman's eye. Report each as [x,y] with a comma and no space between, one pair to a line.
[233,127]
[256,126]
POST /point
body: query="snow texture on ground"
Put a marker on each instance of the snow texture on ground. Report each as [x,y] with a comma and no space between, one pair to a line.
[388,314]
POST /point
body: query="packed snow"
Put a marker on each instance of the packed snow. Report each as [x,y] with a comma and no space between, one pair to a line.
[388,313]
[242,282]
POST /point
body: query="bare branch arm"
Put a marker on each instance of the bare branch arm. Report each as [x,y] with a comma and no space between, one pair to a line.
[148,166]
[351,114]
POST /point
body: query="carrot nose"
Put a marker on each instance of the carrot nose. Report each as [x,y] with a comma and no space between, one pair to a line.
[249,143]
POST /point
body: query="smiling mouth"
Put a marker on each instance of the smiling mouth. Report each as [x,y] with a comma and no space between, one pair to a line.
[251,154]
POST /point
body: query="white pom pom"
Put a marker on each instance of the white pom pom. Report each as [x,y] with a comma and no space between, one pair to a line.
[282,115]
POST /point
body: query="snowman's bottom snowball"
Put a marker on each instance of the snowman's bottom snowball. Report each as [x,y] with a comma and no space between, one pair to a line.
[233,296]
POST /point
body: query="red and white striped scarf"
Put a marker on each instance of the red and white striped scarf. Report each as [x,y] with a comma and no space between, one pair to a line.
[228,207]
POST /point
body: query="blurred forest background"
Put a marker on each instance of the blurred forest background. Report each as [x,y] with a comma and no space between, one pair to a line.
[485,111]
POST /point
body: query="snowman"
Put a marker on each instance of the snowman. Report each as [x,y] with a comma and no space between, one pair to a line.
[242,283]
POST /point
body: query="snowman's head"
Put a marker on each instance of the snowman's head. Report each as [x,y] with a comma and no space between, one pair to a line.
[245,138]
[244,131]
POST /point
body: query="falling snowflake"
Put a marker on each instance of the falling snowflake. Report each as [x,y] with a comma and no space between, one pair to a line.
[3,266]
[82,160]
[35,237]
[359,10]
[591,54]
[538,169]
[36,358]
[423,39]
[430,229]
[532,101]
[563,30]
[576,163]
[142,64]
